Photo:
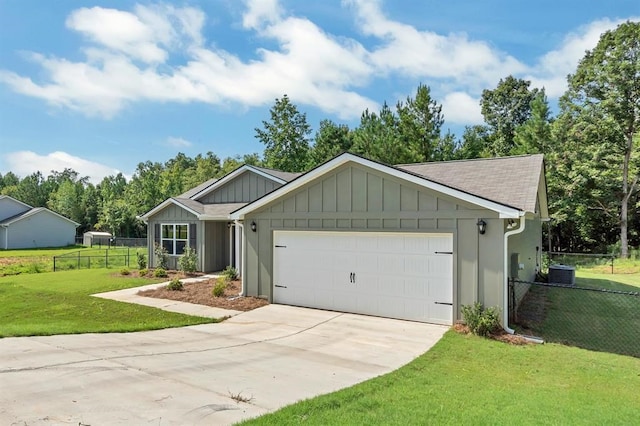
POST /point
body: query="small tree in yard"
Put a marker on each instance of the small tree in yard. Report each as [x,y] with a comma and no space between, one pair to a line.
[162,256]
[188,262]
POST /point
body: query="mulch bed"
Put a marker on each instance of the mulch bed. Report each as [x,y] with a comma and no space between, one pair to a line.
[201,293]
[501,336]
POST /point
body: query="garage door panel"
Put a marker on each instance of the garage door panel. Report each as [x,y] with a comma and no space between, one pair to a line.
[391,263]
[386,274]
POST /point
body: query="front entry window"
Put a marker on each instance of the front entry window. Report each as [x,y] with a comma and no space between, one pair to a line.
[175,238]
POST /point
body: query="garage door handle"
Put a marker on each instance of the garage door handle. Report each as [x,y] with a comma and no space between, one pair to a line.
[443,303]
[281,286]
[444,252]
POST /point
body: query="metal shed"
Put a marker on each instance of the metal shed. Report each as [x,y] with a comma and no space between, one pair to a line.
[96,238]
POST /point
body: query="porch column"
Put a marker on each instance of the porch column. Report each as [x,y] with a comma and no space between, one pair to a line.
[237,257]
[231,240]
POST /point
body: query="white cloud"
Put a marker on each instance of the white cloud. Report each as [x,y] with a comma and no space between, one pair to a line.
[260,12]
[24,163]
[158,53]
[460,108]
[178,142]
[426,54]
[552,69]
[113,77]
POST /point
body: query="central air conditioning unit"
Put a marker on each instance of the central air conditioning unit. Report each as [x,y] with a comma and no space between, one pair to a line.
[562,274]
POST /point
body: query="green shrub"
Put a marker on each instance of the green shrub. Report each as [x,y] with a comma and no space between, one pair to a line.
[175,285]
[220,286]
[142,260]
[230,272]
[162,257]
[188,262]
[125,271]
[143,272]
[481,321]
[160,273]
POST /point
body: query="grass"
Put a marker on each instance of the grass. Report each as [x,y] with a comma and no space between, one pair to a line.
[470,380]
[595,320]
[29,261]
[60,303]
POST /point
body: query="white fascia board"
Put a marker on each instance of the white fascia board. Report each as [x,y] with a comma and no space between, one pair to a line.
[504,212]
[164,204]
[237,172]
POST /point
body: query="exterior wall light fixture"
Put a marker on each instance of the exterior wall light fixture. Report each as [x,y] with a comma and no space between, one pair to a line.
[482,226]
[254,227]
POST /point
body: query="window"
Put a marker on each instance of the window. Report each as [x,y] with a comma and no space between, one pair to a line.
[175,237]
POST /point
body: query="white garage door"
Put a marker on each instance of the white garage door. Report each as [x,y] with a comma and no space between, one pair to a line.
[396,275]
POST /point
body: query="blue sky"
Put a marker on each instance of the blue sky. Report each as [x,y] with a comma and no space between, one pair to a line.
[104,85]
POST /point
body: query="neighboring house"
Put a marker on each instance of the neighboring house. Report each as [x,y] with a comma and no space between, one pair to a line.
[200,217]
[23,226]
[413,241]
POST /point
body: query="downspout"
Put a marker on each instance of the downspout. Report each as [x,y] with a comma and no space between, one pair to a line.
[505,314]
[242,256]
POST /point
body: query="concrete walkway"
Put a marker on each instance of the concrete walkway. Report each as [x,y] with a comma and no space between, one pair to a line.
[270,357]
[130,295]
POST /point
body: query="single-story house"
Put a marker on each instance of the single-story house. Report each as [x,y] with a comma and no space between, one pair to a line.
[23,226]
[412,241]
[200,217]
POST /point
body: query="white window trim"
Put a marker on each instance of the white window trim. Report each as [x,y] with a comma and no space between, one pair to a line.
[174,239]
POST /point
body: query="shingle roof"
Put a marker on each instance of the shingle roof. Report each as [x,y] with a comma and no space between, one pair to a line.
[33,211]
[512,181]
[221,210]
[193,191]
[286,176]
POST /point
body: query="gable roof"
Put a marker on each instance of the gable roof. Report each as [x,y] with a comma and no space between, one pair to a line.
[509,186]
[266,173]
[196,189]
[511,181]
[34,211]
[220,211]
[6,197]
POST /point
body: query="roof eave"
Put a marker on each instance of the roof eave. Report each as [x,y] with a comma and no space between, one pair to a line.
[504,211]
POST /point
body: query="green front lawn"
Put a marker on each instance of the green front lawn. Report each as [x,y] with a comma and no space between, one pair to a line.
[467,380]
[29,261]
[60,303]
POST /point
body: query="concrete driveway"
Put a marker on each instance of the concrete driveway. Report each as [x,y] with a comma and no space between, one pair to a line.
[273,356]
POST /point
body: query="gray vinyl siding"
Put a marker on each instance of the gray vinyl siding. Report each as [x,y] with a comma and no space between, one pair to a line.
[174,214]
[43,229]
[10,208]
[525,245]
[217,246]
[354,197]
[245,188]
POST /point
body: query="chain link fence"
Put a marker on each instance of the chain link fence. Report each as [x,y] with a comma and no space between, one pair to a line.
[590,317]
[602,262]
[105,258]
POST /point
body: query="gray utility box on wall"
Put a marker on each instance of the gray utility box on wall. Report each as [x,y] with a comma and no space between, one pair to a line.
[562,274]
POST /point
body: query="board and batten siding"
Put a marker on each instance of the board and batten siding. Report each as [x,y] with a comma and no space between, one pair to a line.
[174,214]
[217,243]
[357,198]
[245,188]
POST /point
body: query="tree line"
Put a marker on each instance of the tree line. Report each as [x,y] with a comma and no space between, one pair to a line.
[590,148]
